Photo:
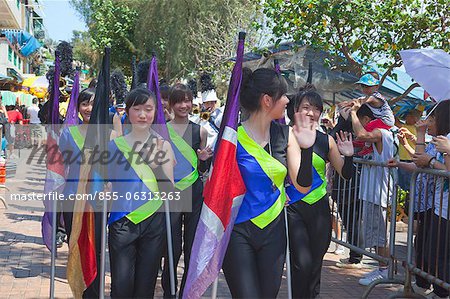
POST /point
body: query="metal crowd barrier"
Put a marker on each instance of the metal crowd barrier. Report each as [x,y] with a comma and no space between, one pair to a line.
[355,215]
[428,256]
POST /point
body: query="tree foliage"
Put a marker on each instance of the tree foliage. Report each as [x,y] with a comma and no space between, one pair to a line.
[82,50]
[188,37]
[369,30]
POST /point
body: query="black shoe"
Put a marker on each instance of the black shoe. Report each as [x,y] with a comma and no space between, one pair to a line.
[59,241]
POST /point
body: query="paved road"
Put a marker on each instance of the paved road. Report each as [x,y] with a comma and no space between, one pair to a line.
[25,262]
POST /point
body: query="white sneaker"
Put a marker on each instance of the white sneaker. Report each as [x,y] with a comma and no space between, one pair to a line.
[340,250]
[375,275]
[371,273]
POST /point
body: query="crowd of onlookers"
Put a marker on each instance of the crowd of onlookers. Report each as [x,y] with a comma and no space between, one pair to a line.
[420,140]
[20,127]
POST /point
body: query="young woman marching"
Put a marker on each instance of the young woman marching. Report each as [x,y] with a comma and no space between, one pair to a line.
[309,215]
[266,151]
[141,165]
[189,145]
[71,144]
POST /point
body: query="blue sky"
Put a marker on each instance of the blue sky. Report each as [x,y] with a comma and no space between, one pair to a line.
[61,19]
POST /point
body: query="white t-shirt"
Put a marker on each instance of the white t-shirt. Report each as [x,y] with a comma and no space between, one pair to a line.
[441,187]
[33,111]
[376,184]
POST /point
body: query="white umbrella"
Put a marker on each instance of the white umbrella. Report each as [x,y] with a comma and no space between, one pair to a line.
[431,69]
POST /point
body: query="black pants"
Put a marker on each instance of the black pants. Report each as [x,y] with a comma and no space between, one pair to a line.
[253,264]
[309,238]
[182,239]
[349,210]
[135,252]
[437,253]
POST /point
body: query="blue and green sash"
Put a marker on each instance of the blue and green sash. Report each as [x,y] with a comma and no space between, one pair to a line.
[260,171]
[185,171]
[77,136]
[140,173]
[319,184]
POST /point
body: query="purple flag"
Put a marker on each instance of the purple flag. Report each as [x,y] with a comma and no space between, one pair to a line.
[72,111]
[54,179]
[277,66]
[223,195]
[277,69]
[153,86]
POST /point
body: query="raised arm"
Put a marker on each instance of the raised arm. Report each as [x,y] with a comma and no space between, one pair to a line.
[344,166]
[299,152]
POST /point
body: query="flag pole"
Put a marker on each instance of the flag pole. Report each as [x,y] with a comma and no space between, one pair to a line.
[153,85]
[103,250]
[104,202]
[288,257]
[170,248]
[214,289]
[53,254]
[53,117]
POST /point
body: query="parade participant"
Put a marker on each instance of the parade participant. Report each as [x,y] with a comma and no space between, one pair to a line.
[191,154]
[309,215]
[71,145]
[141,170]
[211,115]
[164,90]
[266,151]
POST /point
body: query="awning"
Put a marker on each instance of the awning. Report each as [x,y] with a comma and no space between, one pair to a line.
[5,77]
[28,44]
[13,73]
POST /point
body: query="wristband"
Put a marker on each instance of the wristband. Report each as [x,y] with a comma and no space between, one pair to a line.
[305,174]
[420,143]
[347,168]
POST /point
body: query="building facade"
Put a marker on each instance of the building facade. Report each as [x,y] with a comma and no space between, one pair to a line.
[20,23]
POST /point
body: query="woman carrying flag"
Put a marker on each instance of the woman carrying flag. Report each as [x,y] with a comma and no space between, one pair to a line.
[71,144]
[191,154]
[141,177]
[266,152]
[309,215]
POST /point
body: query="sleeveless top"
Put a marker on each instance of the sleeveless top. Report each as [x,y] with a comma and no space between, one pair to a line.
[185,149]
[133,182]
[263,175]
[319,184]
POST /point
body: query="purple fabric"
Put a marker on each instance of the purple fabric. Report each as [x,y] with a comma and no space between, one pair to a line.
[72,111]
[208,251]
[46,224]
[231,112]
[196,286]
[55,92]
[153,86]
[277,69]
[277,66]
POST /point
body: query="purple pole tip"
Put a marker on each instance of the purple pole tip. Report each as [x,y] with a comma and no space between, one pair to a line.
[242,35]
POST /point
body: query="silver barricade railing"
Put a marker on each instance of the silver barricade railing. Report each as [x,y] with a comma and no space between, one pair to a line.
[362,204]
[428,256]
